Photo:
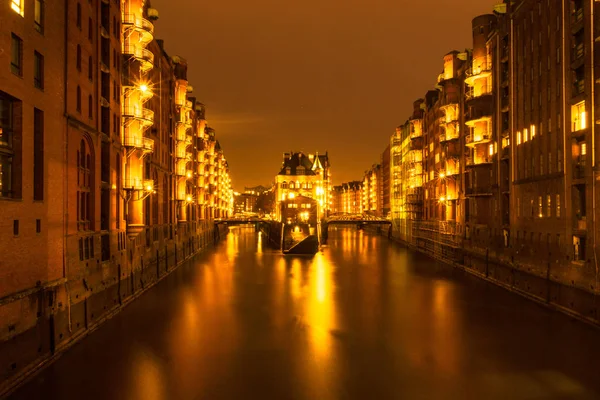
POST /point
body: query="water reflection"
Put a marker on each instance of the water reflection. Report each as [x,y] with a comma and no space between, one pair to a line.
[361,319]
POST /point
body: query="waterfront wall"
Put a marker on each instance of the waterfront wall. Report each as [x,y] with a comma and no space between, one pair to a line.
[51,319]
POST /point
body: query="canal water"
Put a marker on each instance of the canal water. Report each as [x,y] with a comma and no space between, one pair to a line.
[362,319]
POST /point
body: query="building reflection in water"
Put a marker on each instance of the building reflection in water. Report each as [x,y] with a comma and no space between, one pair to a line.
[148,380]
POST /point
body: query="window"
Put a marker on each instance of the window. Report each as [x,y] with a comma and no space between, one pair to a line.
[38,154]
[518,206]
[578,117]
[10,156]
[518,137]
[38,17]
[38,70]
[549,162]
[90,69]
[78,99]
[90,107]
[16,55]
[541,165]
[559,161]
[548,206]
[84,183]
[90,33]
[79,15]
[18,6]
[16,227]
[38,226]
[558,206]
[79,57]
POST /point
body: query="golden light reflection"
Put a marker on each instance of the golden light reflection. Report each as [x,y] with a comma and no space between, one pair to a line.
[147,376]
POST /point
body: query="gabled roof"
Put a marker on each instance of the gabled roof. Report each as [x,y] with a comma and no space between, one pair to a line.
[297,160]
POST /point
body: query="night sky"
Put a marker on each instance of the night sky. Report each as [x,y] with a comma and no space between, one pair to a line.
[311,75]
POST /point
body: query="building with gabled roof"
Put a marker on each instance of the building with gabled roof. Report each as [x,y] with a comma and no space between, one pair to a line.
[304,175]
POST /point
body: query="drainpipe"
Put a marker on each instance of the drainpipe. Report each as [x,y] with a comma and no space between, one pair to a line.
[593,128]
[65,169]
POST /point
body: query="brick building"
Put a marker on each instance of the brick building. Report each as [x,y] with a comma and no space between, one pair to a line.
[108,170]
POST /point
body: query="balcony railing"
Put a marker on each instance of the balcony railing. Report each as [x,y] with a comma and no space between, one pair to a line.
[473,139]
[449,134]
[476,115]
[138,142]
[578,52]
[478,191]
[144,56]
[481,160]
[482,70]
[471,93]
[138,184]
[181,153]
[142,114]
[182,136]
[142,25]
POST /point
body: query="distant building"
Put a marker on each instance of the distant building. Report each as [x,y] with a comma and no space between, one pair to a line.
[304,175]
[347,198]
[385,181]
[256,189]
[245,202]
[372,193]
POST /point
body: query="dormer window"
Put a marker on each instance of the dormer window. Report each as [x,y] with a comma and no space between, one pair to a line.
[288,170]
[300,171]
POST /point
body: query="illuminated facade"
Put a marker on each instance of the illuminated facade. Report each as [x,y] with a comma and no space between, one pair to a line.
[372,191]
[304,175]
[347,198]
[501,154]
[102,200]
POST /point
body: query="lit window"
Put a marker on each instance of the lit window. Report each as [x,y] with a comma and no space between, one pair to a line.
[540,205]
[548,206]
[532,131]
[578,117]
[518,138]
[491,149]
[18,6]
[526,135]
[558,205]
[583,149]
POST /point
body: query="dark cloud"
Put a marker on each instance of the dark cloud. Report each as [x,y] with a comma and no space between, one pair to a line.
[314,74]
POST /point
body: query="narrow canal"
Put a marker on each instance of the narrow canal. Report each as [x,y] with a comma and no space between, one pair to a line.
[363,319]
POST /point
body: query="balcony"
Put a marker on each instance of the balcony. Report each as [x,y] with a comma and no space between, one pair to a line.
[449,134]
[181,168]
[484,70]
[476,138]
[452,168]
[138,184]
[182,136]
[478,191]
[477,115]
[144,56]
[139,142]
[143,115]
[477,161]
[141,25]
[181,153]
[416,128]
[577,55]
[577,20]
[475,93]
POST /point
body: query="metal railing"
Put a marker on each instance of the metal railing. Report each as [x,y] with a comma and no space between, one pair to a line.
[145,56]
[138,184]
[140,113]
[138,23]
[476,138]
[138,142]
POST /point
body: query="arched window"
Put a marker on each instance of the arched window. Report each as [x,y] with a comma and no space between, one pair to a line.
[284,185]
[79,57]
[292,185]
[78,99]
[90,107]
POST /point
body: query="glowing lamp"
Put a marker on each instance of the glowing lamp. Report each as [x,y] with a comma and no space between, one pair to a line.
[144,88]
[188,199]
[291,195]
[442,175]
[442,199]
[149,188]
